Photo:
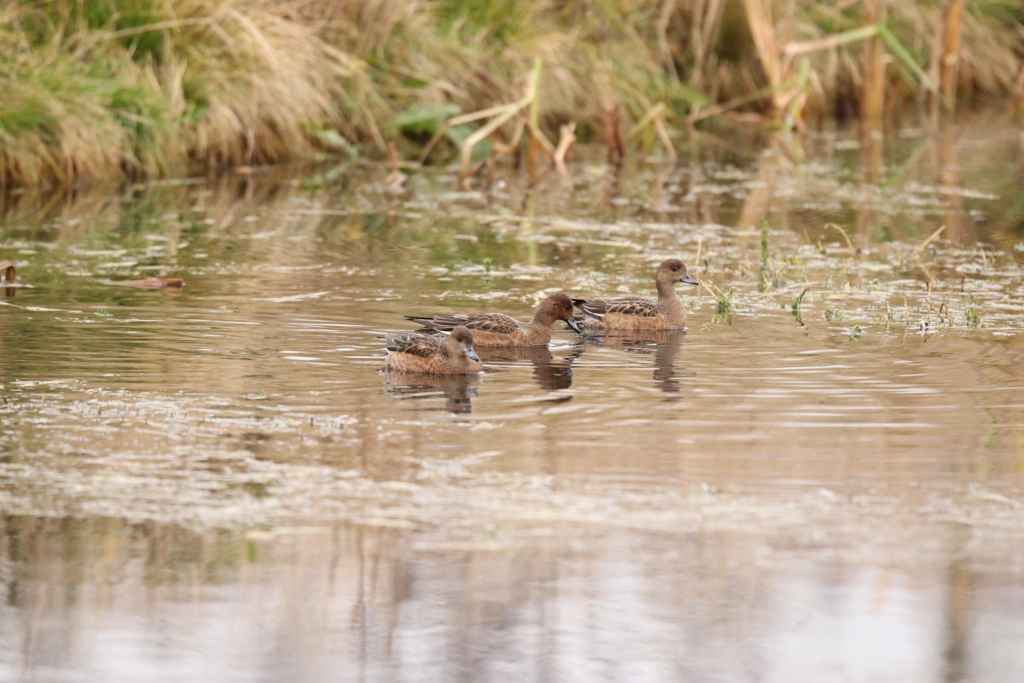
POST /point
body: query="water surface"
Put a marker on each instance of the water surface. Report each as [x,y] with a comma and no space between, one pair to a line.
[220,483]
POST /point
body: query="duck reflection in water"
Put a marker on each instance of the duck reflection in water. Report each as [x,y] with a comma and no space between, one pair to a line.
[458,390]
[550,372]
[664,344]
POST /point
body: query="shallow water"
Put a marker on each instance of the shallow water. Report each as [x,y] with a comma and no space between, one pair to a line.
[219,482]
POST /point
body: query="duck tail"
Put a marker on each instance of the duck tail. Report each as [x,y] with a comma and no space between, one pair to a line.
[424,321]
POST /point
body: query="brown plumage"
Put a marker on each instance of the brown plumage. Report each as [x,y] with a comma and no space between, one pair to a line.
[450,354]
[638,313]
[498,329]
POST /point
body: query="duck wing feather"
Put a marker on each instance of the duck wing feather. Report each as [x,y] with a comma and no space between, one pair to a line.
[415,343]
[496,323]
[625,305]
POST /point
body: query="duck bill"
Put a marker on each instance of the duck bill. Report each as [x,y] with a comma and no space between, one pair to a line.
[689,280]
[574,325]
[471,354]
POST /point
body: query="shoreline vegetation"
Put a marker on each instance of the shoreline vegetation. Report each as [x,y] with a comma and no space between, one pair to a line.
[108,90]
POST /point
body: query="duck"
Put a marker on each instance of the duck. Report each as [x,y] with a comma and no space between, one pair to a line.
[500,330]
[433,354]
[639,313]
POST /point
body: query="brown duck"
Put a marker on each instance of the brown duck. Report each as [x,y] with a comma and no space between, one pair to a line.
[638,313]
[498,329]
[434,354]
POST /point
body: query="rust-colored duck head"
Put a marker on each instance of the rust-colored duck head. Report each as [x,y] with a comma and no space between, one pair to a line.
[557,307]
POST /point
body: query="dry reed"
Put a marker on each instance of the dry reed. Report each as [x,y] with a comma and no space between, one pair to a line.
[103,89]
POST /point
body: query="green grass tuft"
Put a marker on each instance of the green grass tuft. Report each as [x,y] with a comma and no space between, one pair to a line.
[795,306]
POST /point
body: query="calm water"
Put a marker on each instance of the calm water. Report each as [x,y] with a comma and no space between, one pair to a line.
[219,484]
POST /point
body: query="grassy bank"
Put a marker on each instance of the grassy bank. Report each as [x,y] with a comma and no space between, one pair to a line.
[103,89]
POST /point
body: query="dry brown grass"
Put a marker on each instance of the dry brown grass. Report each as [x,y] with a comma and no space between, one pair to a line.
[174,86]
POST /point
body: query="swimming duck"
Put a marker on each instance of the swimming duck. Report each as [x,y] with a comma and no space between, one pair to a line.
[434,354]
[638,313]
[498,329]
